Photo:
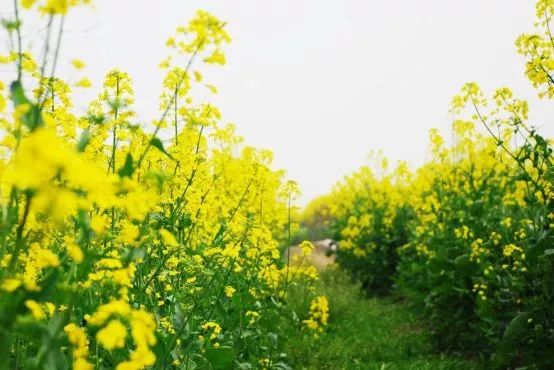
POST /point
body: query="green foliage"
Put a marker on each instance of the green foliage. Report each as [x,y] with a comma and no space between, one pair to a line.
[157,143]
[468,237]
[376,333]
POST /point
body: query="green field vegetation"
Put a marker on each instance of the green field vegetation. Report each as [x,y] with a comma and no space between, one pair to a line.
[368,333]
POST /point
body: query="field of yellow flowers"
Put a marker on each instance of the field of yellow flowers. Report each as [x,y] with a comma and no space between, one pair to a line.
[158,245]
[468,237]
[128,245]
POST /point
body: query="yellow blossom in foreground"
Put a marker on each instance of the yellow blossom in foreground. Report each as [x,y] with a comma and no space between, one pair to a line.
[36,309]
[112,335]
[9,285]
[77,337]
[168,238]
[98,224]
[123,226]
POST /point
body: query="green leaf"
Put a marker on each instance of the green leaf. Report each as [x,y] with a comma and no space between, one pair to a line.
[18,94]
[179,321]
[282,366]
[244,365]
[157,143]
[462,260]
[10,25]
[274,339]
[464,265]
[96,120]
[127,169]
[543,244]
[514,334]
[197,361]
[32,118]
[83,141]
[221,358]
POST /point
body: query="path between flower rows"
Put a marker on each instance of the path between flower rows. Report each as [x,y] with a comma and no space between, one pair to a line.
[367,333]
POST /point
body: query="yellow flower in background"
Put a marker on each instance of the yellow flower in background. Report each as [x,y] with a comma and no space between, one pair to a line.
[84,83]
[78,64]
[319,314]
[510,249]
[307,247]
[217,57]
[27,4]
[229,291]
[60,7]
[213,327]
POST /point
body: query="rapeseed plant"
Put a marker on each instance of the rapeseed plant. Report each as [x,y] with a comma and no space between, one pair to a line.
[469,235]
[129,245]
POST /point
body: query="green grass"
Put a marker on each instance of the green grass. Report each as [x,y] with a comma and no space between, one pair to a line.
[367,333]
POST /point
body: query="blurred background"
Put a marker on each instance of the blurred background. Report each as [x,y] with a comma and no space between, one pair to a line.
[318,82]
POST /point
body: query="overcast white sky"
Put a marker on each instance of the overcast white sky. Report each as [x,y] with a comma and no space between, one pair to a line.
[321,82]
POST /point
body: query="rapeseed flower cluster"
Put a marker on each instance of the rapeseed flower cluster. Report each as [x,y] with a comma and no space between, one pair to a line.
[469,236]
[134,245]
[319,314]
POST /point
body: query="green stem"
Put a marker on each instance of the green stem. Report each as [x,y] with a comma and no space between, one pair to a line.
[166,111]
[19,48]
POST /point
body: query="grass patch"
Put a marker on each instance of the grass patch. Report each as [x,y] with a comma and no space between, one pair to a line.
[375,333]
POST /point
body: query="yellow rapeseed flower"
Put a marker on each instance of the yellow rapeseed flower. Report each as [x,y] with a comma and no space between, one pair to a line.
[112,335]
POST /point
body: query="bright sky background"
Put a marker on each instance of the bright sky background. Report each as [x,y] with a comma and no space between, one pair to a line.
[321,82]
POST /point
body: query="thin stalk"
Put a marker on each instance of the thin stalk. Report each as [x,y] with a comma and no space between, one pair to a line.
[501,144]
[58,47]
[46,45]
[19,47]
[166,110]
[114,128]
[547,22]
[175,115]
[19,232]
[54,62]
[289,242]
[114,140]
